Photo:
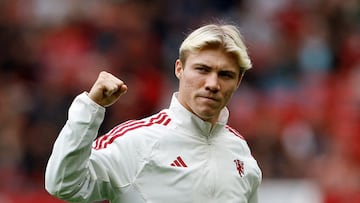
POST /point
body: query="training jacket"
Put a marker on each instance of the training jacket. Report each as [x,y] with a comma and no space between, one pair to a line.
[170,157]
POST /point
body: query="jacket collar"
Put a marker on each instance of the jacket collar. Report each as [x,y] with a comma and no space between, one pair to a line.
[189,121]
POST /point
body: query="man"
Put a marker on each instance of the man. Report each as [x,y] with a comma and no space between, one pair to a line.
[185,153]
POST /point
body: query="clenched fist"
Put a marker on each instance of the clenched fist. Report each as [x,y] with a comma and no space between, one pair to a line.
[107,89]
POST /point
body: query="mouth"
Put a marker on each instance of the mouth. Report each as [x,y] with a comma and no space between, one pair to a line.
[214,99]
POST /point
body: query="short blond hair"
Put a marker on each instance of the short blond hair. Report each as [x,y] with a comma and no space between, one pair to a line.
[227,37]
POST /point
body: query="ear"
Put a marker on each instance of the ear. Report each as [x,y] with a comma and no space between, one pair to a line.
[178,68]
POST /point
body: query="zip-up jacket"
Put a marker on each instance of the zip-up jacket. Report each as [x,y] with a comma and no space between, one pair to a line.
[171,156]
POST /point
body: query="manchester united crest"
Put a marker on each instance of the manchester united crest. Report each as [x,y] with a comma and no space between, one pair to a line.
[239,166]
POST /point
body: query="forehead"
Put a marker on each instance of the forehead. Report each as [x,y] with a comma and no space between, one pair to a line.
[215,58]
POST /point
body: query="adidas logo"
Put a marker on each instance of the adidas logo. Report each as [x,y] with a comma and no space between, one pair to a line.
[178,162]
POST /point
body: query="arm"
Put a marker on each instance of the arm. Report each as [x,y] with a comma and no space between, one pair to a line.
[255,182]
[70,173]
[254,197]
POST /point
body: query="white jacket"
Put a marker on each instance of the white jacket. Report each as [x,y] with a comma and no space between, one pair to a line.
[170,157]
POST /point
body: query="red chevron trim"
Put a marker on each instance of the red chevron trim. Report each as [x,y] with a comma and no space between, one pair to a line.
[102,142]
[235,132]
[99,143]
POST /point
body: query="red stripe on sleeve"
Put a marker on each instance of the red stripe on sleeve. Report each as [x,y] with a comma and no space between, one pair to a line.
[235,132]
[102,142]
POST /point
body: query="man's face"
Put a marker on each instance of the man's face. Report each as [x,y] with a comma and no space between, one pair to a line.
[207,81]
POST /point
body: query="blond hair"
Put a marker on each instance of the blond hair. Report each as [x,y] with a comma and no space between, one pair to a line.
[226,37]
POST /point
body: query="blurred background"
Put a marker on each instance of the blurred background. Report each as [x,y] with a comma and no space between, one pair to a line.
[298,108]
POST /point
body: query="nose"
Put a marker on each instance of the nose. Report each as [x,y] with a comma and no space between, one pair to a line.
[212,83]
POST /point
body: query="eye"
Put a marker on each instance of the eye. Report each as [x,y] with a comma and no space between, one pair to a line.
[227,74]
[202,69]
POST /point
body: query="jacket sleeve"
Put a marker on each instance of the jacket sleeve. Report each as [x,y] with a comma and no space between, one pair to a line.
[254,196]
[255,182]
[71,174]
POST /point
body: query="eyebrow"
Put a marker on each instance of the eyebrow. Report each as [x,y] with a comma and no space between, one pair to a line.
[201,64]
[210,67]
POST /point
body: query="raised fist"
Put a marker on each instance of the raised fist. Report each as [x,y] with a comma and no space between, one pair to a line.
[107,89]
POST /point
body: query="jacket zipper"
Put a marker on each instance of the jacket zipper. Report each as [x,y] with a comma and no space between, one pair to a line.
[212,169]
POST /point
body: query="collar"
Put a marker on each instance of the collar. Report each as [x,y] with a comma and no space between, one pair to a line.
[191,122]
